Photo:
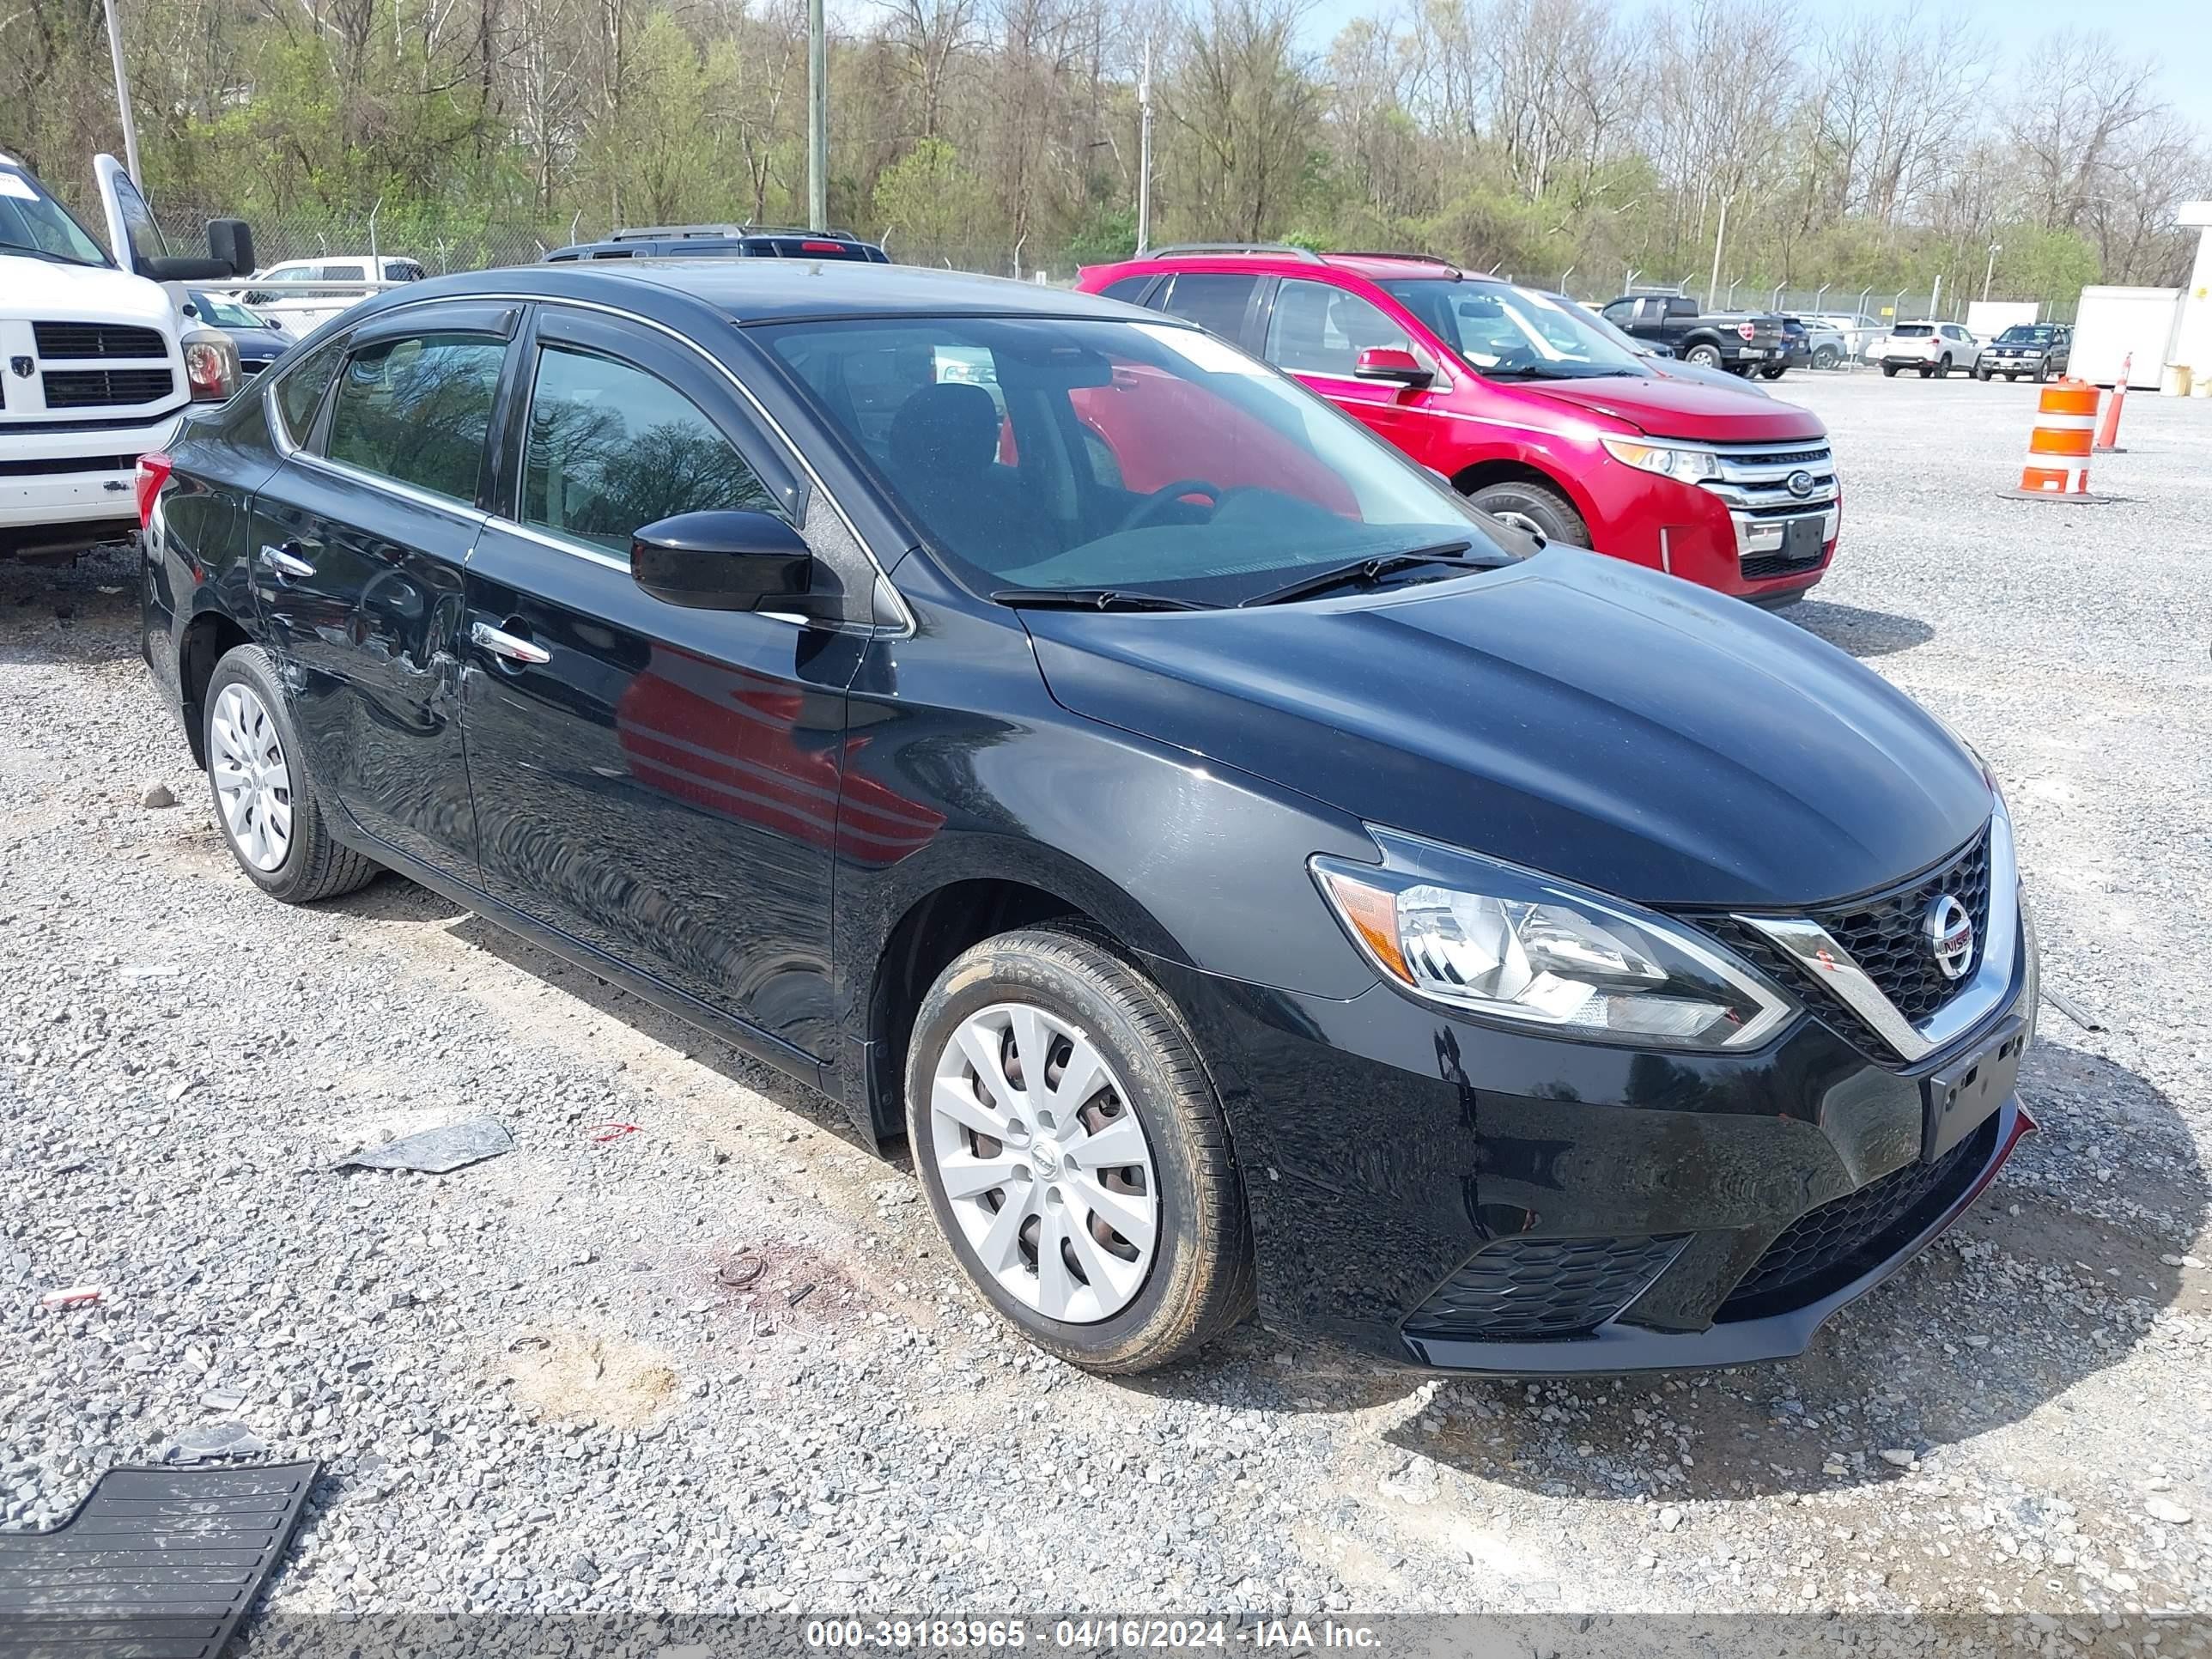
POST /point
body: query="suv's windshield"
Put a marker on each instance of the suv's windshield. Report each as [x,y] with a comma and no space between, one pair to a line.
[1121,458]
[33,222]
[2027,334]
[1511,333]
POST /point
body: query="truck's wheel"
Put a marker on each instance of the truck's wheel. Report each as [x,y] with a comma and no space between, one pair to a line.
[1704,356]
[1074,1152]
[1532,507]
[1772,371]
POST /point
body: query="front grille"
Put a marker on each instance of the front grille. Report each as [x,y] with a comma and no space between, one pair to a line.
[1826,1249]
[1759,565]
[97,340]
[1886,935]
[1535,1289]
[91,388]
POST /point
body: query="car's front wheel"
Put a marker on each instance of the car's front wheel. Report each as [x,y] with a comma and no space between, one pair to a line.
[264,801]
[1074,1152]
[1534,508]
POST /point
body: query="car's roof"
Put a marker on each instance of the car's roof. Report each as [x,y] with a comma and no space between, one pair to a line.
[773,290]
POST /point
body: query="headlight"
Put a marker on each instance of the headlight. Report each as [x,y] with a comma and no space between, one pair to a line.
[210,364]
[1495,939]
[1678,461]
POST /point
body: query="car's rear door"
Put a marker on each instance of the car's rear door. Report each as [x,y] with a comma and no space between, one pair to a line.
[359,542]
[658,782]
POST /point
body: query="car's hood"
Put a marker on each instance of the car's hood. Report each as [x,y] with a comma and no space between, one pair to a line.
[1571,713]
[90,293]
[1675,408]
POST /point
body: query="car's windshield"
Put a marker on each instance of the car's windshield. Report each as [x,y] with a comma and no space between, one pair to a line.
[2027,334]
[33,222]
[1513,333]
[1060,454]
[222,313]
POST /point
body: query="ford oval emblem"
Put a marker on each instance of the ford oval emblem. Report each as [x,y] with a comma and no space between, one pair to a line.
[1950,933]
[1799,483]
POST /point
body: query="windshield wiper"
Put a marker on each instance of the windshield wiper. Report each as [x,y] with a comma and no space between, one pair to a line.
[1373,568]
[1090,599]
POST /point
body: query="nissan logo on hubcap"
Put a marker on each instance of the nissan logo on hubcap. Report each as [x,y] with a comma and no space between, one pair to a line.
[1799,483]
[1950,935]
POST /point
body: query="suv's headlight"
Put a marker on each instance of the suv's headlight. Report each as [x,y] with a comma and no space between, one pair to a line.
[1495,939]
[1680,462]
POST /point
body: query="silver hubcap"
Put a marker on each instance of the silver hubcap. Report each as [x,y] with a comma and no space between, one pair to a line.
[252,784]
[1045,1165]
[1518,521]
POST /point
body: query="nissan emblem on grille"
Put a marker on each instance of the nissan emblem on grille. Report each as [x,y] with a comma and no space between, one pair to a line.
[1950,935]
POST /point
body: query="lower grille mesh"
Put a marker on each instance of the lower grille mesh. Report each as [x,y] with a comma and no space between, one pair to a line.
[1524,1289]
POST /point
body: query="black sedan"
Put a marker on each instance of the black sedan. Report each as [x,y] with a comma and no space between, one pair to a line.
[2036,349]
[261,342]
[1240,876]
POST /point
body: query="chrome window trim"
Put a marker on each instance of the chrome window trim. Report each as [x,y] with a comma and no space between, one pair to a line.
[291,451]
[905,626]
[1827,962]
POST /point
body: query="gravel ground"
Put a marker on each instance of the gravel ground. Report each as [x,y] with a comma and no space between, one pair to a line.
[717,1363]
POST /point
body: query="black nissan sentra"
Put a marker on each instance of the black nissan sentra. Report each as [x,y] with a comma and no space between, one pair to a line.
[1246,876]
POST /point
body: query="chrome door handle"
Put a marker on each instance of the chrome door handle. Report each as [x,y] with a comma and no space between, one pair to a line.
[501,643]
[284,563]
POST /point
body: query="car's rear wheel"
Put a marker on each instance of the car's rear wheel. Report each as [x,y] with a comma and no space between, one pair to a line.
[1075,1153]
[1532,507]
[1705,356]
[264,801]
[1772,371]
[1825,356]
[1889,370]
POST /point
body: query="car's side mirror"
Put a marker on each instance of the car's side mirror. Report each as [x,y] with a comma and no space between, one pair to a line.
[231,240]
[722,561]
[1392,363]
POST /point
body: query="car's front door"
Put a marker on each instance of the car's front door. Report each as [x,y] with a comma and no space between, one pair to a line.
[658,782]
[1316,330]
[358,541]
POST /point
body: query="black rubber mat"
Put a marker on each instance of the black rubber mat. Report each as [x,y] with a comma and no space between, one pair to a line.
[155,1564]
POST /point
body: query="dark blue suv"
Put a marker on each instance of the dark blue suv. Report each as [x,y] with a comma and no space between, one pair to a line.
[726,241]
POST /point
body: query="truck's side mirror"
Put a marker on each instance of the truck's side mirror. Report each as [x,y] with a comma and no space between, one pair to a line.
[231,240]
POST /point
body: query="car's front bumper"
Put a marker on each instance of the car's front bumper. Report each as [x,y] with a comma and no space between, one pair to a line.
[1390,1148]
[70,488]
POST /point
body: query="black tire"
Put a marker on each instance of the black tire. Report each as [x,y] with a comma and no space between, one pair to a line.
[2012,379]
[1925,373]
[1703,354]
[1200,1280]
[1826,357]
[1532,504]
[2042,371]
[1983,375]
[1773,371]
[1889,371]
[315,867]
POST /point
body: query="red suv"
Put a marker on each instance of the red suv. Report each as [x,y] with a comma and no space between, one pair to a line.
[1539,411]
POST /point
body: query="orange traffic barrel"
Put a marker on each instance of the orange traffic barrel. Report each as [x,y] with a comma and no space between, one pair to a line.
[2058,448]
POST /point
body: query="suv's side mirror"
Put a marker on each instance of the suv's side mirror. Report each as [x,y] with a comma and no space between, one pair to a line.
[231,240]
[1392,364]
[722,561]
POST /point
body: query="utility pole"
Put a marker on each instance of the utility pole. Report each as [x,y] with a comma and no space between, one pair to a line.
[1936,296]
[1990,269]
[1713,286]
[817,116]
[1143,152]
[123,98]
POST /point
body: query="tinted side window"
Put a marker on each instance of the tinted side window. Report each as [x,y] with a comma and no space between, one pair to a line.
[1320,329]
[417,410]
[1216,303]
[1682,308]
[300,390]
[345,273]
[1126,289]
[1619,311]
[612,447]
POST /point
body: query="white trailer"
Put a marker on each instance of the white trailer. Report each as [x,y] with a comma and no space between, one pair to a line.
[2124,325]
[1987,319]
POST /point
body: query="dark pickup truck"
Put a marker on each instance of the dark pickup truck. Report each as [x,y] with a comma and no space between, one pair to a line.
[1738,341]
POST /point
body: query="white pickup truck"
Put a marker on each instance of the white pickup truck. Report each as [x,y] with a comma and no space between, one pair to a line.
[97,359]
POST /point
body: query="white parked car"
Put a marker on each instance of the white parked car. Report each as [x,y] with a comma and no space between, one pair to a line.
[310,303]
[1930,348]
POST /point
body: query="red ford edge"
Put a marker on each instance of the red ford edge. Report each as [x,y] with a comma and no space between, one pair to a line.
[1539,412]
